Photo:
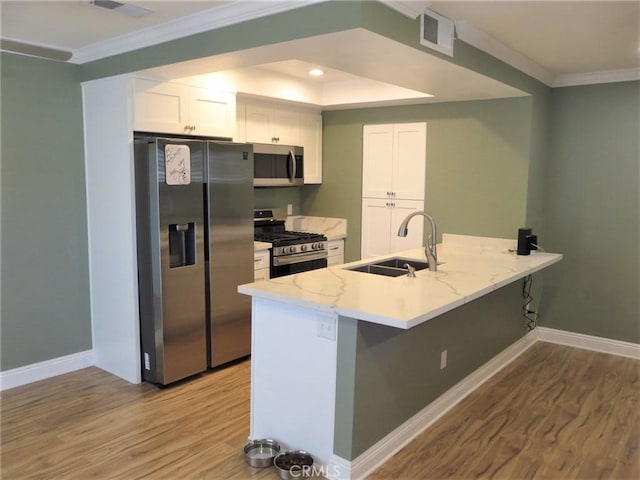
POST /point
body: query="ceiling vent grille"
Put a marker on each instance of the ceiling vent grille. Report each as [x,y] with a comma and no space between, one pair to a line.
[437,32]
[130,10]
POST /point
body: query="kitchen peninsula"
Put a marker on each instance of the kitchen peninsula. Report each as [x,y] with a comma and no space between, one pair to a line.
[343,361]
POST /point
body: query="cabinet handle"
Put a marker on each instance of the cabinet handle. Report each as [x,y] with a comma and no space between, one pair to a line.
[193,127]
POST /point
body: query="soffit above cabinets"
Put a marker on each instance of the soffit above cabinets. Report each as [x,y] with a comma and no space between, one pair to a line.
[370,70]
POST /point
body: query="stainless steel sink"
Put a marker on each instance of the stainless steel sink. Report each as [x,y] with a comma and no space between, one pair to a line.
[398,262]
[391,267]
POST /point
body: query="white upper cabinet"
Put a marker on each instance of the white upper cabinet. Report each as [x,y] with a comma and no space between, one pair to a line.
[212,112]
[264,122]
[394,159]
[311,140]
[268,124]
[182,109]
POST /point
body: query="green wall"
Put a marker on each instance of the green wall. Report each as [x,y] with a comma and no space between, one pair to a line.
[387,375]
[477,166]
[593,211]
[45,296]
[45,272]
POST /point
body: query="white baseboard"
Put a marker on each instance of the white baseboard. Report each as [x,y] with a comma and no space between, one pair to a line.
[388,446]
[588,342]
[49,368]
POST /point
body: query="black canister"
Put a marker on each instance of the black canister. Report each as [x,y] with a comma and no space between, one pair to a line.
[524,245]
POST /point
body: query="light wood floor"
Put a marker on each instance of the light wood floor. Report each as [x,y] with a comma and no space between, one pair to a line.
[556,412]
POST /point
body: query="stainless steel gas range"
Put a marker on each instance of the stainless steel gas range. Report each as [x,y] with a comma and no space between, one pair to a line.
[291,252]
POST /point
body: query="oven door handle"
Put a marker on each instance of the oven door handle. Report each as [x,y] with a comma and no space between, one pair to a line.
[292,159]
[297,258]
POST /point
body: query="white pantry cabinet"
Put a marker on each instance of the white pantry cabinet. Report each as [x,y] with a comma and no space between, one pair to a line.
[393,161]
[381,219]
[393,186]
[165,107]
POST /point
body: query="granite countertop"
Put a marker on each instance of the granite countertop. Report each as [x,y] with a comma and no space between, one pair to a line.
[470,268]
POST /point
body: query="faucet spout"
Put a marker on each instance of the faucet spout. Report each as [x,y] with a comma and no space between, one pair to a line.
[430,244]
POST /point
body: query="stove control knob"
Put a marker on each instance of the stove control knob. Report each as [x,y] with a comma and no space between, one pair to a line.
[293,249]
[321,246]
[304,248]
[314,246]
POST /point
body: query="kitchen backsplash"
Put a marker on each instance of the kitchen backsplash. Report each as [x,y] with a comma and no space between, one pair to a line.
[333,228]
[277,199]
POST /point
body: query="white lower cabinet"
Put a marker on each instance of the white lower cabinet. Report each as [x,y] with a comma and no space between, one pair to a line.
[335,252]
[381,219]
[261,265]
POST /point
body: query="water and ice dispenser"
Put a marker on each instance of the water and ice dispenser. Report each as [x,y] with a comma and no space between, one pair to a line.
[182,244]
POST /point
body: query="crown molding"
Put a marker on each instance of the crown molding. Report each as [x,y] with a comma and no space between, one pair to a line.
[34,50]
[410,9]
[482,41]
[608,76]
[218,17]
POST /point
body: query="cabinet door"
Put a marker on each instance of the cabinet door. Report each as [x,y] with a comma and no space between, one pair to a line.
[311,140]
[258,123]
[335,252]
[212,113]
[414,239]
[161,107]
[286,127]
[377,166]
[241,121]
[376,221]
[409,160]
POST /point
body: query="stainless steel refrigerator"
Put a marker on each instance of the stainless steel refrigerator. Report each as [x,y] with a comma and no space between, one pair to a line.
[194,219]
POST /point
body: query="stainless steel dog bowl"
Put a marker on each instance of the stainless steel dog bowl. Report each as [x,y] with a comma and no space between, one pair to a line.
[293,464]
[260,453]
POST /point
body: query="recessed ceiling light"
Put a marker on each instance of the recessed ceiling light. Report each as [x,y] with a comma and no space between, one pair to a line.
[316,72]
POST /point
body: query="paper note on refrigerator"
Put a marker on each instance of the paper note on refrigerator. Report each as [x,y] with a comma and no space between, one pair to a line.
[177,161]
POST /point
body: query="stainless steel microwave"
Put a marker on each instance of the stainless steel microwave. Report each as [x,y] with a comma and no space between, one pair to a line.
[277,165]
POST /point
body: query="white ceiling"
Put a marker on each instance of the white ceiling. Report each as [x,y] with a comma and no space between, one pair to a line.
[557,42]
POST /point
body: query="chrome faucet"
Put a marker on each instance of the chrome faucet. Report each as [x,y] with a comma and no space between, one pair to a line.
[430,244]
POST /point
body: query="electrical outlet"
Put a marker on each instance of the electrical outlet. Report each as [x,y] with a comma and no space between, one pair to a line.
[289,209]
[327,327]
[443,360]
